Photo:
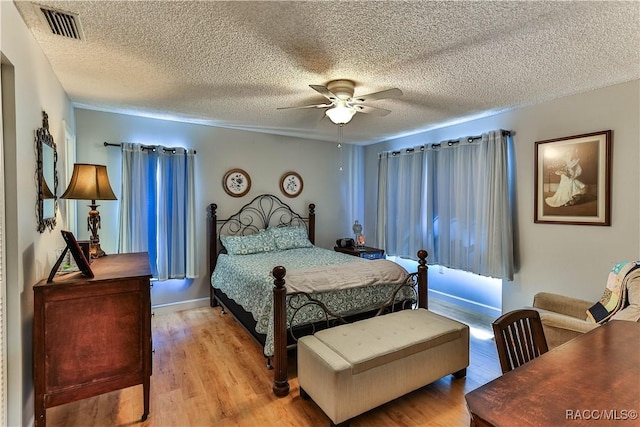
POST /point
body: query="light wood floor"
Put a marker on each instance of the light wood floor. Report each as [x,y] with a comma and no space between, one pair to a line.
[207,371]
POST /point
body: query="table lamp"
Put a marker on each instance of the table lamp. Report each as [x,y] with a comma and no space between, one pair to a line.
[90,182]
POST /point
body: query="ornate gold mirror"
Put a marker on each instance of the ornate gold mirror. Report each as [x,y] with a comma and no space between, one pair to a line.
[46,177]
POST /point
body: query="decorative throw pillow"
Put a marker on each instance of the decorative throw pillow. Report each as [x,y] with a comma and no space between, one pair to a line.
[614,296]
[290,237]
[249,244]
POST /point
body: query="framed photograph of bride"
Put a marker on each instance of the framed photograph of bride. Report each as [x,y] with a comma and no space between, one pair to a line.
[573,180]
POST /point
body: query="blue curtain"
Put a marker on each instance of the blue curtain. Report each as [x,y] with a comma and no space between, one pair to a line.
[157,210]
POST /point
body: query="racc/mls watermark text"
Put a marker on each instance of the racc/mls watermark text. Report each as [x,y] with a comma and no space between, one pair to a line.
[601,414]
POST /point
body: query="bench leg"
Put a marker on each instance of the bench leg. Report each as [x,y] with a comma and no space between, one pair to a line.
[460,374]
[304,394]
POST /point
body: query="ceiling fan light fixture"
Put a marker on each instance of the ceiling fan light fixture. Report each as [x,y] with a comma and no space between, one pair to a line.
[343,105]
[341,114]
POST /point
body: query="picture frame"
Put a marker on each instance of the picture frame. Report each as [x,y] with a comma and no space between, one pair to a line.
[291,184]
[236,182]
[573,180]
[78,255]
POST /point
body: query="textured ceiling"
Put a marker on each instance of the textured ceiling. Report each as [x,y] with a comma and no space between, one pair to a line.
[231,64]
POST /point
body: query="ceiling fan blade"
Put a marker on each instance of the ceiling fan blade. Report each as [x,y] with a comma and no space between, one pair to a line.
[305,106]
[383,94]
[324,92]
[381,112]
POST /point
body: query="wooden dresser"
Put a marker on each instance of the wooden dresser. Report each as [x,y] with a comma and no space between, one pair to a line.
[92,336]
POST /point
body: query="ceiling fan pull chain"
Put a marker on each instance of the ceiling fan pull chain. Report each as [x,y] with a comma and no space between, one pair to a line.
[340,146]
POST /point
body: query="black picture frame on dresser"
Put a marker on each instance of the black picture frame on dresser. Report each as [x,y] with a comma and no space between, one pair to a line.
[76,252]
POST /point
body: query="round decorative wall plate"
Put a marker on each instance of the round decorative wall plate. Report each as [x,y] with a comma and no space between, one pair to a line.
[236,182]
[291,184]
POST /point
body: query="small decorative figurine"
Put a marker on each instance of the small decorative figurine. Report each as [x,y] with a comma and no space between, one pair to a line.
[357,231]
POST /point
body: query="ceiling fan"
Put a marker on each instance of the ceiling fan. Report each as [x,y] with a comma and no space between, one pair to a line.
[344,105]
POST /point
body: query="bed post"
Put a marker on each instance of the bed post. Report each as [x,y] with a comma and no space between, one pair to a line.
[423,298]
[312,223]
[213,247]
[280,378]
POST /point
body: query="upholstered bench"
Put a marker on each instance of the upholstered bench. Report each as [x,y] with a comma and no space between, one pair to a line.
[350,369]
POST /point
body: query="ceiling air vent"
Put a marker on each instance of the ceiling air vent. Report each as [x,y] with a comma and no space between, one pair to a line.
[63,23]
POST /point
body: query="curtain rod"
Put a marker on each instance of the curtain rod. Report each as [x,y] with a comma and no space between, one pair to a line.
[450,143]
[145,147]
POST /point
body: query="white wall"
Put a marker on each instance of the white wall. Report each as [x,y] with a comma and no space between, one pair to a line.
[265,157]
[29,86]
[569,259]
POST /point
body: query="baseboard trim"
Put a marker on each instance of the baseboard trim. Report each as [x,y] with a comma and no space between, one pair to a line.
[173,307]
[467,304]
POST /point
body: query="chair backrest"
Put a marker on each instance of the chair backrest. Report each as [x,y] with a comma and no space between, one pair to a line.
[519,338]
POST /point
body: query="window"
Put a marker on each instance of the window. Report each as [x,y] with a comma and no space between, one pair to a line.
[451,199]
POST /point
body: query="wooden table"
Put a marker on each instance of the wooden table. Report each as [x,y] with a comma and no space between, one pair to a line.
[592,380]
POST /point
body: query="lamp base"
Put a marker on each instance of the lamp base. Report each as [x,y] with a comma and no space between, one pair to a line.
[96,251]
[93,224]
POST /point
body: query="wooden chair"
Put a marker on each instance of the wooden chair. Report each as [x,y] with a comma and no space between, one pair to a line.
[519,338]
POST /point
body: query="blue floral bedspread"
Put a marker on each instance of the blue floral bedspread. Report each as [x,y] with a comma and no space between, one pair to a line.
[247,280]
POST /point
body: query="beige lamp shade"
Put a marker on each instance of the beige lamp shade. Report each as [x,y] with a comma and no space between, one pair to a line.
[89,182]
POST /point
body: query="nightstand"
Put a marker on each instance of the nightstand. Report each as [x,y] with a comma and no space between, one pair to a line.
[362,252]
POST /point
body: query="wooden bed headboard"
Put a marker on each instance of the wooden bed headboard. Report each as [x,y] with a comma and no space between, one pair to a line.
[265,210]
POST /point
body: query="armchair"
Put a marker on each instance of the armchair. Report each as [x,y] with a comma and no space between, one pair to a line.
[564,318]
